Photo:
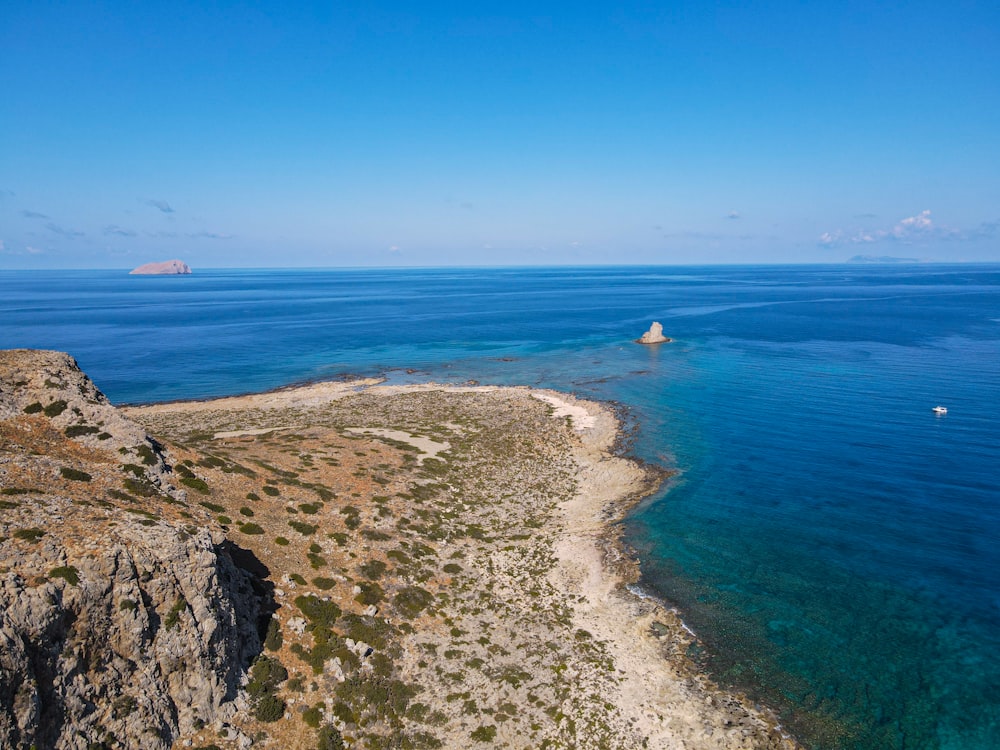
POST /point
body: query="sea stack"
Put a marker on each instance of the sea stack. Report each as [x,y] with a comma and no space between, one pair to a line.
[653,336]
[166,268]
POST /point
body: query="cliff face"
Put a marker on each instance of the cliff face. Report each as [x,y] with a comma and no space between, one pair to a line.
[121,622]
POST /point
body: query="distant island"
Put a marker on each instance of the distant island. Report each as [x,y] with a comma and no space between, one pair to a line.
[883,259]
[164,268]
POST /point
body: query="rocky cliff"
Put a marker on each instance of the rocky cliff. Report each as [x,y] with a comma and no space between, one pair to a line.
[122,621]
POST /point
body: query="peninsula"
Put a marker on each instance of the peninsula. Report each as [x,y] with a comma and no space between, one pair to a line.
[164,268]
[337,565]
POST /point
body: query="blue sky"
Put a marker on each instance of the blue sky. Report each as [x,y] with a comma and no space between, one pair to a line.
[339,134]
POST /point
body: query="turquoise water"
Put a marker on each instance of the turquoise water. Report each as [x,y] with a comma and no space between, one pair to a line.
[835,545]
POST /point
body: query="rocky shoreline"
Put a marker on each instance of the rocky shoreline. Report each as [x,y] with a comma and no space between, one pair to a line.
[444,565]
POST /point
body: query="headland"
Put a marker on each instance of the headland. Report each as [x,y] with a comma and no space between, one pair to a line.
[342,565]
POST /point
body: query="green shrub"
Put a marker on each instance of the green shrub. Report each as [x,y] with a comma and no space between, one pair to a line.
[33,408]
[55,408]
[225,520]
[250,528]
[174,615]
[313,716]
[214,507]
[485,733]
[269,490]
[412,600]
[29,535]
[146,454]
[196,484]
[123,496]
[127,605]
[318,611]
[140,487]
[280,540]
[74,474]
[19,491]
[306,529]
[452,568]
[245,511]
[67,572]
[253,496]
[268,708]
[310,508]
[298,579]
[371,593]
[274,638]
[329,738]
[373,569]
[324,584]
[78,430]
[266,674]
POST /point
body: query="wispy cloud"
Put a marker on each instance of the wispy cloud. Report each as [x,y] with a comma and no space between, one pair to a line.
[114,229]
[162,235]
[733,215]
[160,205]
[28,250]
[63,231]
[33,215]
[917,228]
[210,236]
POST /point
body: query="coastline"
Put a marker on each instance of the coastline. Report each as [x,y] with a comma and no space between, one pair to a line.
[662,697]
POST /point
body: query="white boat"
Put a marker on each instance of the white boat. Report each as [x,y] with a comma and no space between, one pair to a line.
[940,410]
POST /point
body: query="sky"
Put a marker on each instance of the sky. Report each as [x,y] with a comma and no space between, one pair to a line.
[314,134]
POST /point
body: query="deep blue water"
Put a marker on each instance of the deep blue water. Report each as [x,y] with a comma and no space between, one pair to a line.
[835,544]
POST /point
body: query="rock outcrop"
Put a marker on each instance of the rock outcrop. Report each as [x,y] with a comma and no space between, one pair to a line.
[122,624]
[653,336]
[166,268]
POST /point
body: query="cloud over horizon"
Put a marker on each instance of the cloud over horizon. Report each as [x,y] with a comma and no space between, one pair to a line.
[919,227]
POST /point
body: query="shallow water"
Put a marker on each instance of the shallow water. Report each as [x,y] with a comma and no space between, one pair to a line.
[831,540]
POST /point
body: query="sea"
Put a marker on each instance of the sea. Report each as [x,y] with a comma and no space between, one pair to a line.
[832,541]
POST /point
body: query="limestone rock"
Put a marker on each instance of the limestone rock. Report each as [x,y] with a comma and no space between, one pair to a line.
[130,624]
[653,336]
[164,268]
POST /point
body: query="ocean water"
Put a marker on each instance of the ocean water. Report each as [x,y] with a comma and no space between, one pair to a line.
[834,544]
